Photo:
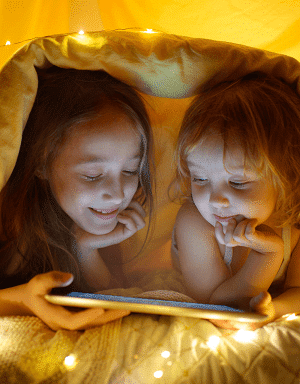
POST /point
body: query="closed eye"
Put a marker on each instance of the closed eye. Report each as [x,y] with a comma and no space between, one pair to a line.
[93,178]
[239,184]
[131,173]
[199,180]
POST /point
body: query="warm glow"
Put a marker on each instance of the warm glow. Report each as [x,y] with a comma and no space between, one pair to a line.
[244,336]
[149,31]
[70,362]
[213,342]
[7,43]
[5,342]
[165,354]
[291,317]
[158,374]
[81,32]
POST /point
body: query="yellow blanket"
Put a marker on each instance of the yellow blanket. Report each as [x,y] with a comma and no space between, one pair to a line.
[141,348]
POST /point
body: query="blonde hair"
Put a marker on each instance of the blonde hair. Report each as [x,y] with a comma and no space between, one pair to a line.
[261,114]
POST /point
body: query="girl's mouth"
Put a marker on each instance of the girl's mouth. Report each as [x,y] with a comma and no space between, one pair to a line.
[105,214]
[224,219]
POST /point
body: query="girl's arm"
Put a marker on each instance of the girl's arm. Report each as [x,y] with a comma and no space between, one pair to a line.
[200,259]
[289,301]
[93,268]
[286,303]
[11,302]
[260,268]
[28,299]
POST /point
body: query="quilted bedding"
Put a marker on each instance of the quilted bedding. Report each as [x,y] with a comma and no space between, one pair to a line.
[149,349]
[142,348]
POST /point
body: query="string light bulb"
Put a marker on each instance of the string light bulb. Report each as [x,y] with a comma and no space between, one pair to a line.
[70,362]
[158,374]
[81,32]
[213,342]
[244,336]
[291,317]
[165,354]
[7,43]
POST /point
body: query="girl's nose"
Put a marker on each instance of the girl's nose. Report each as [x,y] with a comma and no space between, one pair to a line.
[113,191]
[218,200]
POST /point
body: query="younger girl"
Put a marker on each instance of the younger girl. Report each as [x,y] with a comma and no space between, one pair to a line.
[80,184]
[238,232]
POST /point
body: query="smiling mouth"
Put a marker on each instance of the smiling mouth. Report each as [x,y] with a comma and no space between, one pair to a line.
[105,214]
[223,219]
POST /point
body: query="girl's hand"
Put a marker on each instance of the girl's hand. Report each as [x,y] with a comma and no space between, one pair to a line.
[130,221]
[261,304]
[56,316]
[260,238]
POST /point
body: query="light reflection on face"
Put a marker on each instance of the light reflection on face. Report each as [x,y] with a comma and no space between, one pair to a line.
[221,193]
[95,174]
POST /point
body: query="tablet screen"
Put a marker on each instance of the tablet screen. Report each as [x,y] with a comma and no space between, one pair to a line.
[147,301]
[154,306]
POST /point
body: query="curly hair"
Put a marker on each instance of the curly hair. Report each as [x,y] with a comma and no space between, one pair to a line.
[262,114]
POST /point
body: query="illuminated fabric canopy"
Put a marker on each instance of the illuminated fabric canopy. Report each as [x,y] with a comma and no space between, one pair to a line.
[272,25]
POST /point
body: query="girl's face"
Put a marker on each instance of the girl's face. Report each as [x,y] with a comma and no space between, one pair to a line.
[221,193]
[95,175]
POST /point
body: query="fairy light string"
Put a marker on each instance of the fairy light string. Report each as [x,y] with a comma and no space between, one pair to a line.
[81,32]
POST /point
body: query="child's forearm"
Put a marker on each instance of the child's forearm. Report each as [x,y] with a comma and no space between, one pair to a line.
[194,284]
[287,302]
[93,268]
[11,302]
[255,276]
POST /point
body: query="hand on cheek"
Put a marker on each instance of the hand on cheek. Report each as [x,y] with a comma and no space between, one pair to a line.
[235,234]
[247,234]
[130,221]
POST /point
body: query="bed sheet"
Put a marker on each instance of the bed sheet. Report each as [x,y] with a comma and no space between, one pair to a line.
[149,349]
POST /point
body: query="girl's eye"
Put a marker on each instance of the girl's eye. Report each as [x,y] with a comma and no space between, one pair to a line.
[131,173]
[93,178]
[239,184]
[199,180]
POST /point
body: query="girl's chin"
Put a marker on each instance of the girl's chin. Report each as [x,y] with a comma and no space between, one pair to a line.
[105,229]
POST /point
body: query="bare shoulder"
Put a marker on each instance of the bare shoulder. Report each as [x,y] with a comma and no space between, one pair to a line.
[200,260]
[189,221]
[187,213]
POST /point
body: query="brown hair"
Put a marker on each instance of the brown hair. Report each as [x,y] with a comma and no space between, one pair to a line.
[260,113]
[33,223]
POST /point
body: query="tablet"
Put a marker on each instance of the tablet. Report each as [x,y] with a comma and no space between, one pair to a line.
[154,306]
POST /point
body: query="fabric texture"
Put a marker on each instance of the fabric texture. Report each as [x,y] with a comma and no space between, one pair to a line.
[141,348]
[41,355]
